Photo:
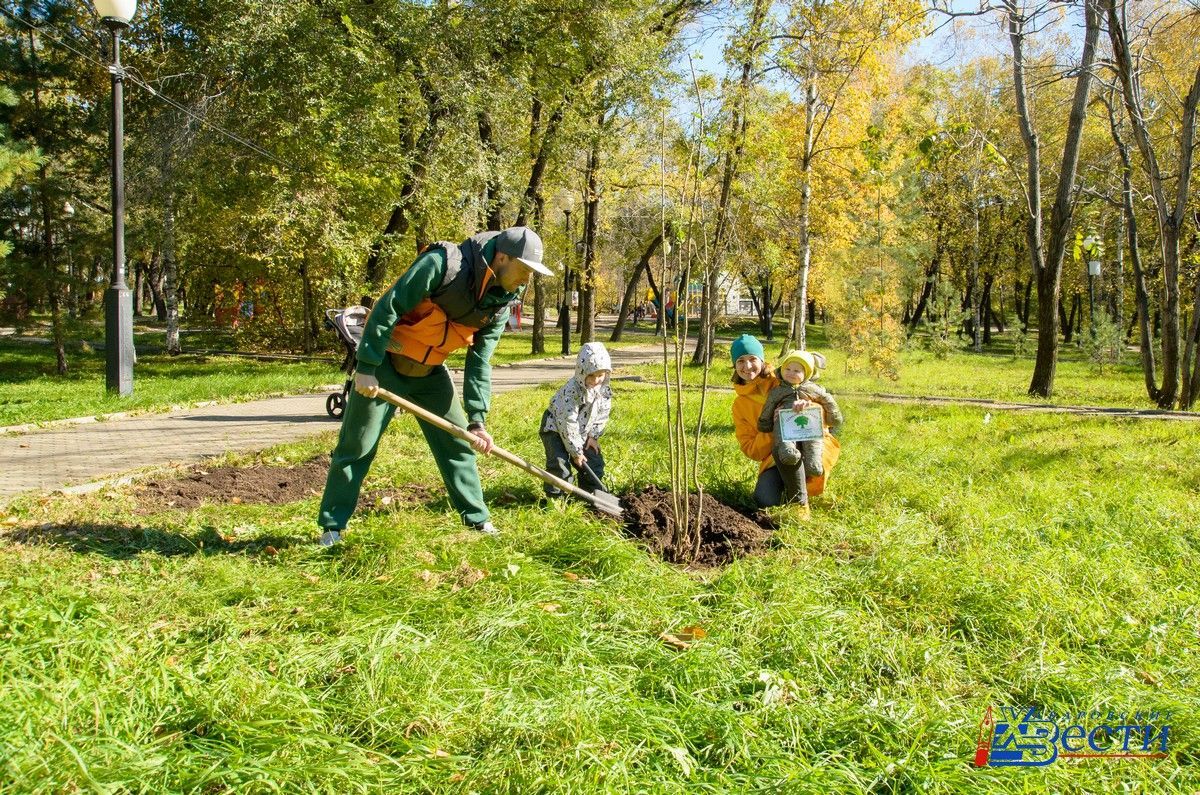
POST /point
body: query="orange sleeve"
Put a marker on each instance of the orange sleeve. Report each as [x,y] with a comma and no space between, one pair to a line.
[755,445]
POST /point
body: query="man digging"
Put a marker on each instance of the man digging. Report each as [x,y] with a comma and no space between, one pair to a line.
[452,297]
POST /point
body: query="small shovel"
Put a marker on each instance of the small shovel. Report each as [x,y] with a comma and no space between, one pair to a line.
[603,502]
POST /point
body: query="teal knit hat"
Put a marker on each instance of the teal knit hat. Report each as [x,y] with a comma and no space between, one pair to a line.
[746,345]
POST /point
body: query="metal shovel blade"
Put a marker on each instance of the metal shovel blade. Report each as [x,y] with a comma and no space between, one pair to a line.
[607,503]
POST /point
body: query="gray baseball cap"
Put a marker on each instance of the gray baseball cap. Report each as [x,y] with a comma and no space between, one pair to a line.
[524,244]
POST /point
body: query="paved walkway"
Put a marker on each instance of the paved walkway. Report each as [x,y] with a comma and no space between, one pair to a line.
[44,460]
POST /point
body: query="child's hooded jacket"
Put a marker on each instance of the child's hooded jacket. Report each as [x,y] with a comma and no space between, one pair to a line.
[576,412]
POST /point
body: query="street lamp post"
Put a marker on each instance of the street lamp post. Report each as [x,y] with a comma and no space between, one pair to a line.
[118,303]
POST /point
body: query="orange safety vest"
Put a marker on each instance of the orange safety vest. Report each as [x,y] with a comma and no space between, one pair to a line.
[447,319]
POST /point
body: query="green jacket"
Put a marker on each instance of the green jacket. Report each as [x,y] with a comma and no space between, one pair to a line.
[415,285]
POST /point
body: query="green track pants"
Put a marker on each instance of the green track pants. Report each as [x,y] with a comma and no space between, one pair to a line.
[364,423]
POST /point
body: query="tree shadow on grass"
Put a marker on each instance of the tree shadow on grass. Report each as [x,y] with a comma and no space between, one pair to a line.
[123,542]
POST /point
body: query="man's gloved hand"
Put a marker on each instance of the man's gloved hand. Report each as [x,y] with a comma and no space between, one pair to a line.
[483,440]
[366,385]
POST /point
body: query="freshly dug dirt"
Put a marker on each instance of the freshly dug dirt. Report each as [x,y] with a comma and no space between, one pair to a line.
[263,484]
[725,533]
[259,484]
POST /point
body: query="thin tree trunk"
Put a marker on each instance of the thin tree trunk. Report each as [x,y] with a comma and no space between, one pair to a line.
[931,273]
[50,266]
[310,320]
[1141,293]
[587,292]
[1171,211]
[660,316]
[401,216]
[154,281]
[492,202]
[1047,255]
[138,274]
[985,311]
[798,331]
[170,274]
[631,287]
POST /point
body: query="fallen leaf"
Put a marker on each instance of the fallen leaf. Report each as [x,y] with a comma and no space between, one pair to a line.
[272,668]
[692,632]
[439,754]
[511,570]
[1148,678]
[346,669]
[383,578]
[570,576]
[227,538]
[674,642]
[23,444]
[312,578]
[457,777]
[272,551]
[425,557]
[236,500]
[550,607]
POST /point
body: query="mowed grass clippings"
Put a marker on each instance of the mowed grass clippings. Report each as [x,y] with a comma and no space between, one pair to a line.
[957,561]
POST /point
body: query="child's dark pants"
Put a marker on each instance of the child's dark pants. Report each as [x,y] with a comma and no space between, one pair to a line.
[558,462]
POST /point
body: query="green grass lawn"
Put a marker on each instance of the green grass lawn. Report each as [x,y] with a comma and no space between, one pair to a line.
[31,391]
[955,562]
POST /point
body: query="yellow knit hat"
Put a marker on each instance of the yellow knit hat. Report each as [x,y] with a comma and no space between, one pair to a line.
[806,360]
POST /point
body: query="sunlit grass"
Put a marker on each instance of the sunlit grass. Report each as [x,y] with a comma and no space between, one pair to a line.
[956,561]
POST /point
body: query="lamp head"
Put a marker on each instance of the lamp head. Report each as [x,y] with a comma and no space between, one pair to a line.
[118,11]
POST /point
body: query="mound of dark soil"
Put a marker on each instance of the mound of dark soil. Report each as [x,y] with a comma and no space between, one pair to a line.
[259,484]
[725,533]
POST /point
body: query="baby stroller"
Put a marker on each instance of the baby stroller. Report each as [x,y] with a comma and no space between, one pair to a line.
[348,324]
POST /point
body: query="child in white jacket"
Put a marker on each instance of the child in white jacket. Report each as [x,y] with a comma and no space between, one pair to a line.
[572,426]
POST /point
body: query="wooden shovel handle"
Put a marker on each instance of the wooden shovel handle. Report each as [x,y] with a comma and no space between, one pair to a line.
[469,438]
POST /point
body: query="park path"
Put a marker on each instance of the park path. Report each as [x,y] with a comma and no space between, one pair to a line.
[77,455]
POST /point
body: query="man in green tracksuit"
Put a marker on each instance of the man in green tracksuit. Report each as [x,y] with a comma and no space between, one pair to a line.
[453,296]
